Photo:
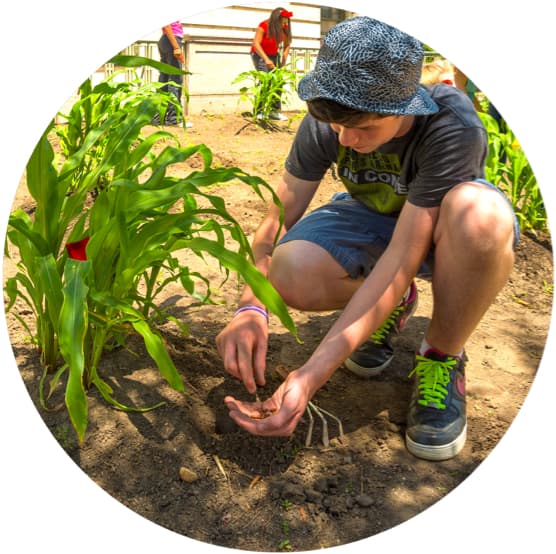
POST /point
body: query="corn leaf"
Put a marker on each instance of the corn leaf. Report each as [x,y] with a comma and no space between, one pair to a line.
[138,61]
[261,287]
[157,351]
[51,285]
[107,393]
[153,341]
[72,329]
[19,221]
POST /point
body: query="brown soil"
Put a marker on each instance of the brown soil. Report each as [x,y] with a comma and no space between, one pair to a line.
[186,467]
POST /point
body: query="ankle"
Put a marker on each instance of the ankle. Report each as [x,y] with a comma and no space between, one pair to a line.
[427,347]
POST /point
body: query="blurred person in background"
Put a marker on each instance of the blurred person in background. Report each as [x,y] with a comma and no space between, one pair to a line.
[271,46]
[171,52]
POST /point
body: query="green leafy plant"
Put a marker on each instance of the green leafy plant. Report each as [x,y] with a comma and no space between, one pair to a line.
[285,546]
[508,168]
[98,109]
[110,229]
[266,89]
[286,504]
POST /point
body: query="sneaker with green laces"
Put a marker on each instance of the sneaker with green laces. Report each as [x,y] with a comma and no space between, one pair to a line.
[437,421]
[376,354]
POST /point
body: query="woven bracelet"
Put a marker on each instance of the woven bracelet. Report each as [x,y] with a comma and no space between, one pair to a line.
[254,309]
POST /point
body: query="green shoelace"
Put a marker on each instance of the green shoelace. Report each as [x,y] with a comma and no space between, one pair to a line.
[433,376]
[382,332]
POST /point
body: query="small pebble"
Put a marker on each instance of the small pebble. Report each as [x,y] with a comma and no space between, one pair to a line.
[364,500]
[188,475]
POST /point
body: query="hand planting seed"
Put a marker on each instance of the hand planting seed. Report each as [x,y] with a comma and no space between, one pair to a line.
[263,413]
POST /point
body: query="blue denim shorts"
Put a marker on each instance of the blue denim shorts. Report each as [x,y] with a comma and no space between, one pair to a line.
[355,236]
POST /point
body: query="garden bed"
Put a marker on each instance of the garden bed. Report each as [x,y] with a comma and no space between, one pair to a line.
[186,467]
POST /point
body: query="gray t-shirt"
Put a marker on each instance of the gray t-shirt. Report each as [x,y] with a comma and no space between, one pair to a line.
[440,151]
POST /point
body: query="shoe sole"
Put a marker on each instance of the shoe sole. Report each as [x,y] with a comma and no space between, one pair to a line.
[437,453]
[366,372]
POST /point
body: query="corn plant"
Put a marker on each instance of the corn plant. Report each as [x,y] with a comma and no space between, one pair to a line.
[91,266]
[508,168]
[266,89]
[101,107]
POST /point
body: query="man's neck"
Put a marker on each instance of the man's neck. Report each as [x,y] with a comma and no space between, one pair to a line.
[406,126]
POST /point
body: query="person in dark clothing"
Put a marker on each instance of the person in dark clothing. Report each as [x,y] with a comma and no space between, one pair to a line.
[171,53]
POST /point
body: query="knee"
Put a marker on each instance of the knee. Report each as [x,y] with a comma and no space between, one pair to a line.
[301,272]
[286,268]
[477,216]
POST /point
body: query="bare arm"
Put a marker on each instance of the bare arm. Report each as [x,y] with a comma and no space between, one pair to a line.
[375,299]
[379,293]
[285,55]
[295,195]
[257,40]
[242,344]
[167,30]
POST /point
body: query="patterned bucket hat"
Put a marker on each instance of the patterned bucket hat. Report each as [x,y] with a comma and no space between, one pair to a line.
[369,66]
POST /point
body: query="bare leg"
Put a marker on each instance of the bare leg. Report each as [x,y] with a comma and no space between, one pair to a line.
[473,260]
[309,278]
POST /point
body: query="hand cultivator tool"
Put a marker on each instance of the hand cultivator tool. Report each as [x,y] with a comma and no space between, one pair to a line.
[312,411]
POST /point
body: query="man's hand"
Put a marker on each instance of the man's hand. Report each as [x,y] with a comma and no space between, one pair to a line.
[277,416]
[178,54]
[242,345]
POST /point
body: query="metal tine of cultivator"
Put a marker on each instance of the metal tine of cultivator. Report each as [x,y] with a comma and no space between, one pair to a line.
[325,439]
[310,431]
[337,420]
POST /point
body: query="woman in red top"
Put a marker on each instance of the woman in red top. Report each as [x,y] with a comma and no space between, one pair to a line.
[272,33]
